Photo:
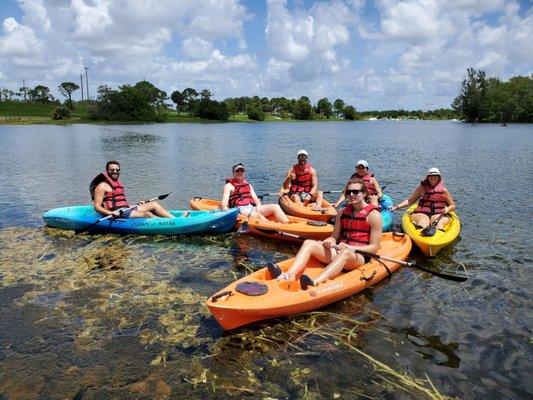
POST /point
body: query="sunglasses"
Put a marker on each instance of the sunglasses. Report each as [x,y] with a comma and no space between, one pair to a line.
[114,170]
[353,192]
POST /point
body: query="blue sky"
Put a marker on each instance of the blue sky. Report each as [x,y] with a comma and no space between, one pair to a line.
[372,54]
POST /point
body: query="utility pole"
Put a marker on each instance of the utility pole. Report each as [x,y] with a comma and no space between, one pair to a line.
[87,82]
[24,88]
[81,81]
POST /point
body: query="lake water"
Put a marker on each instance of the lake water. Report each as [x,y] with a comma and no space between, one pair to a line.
[93,317]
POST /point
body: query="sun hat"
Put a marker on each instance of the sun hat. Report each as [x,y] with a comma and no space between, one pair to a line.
[303,152]
[433,171]
[238,166]
[363,163]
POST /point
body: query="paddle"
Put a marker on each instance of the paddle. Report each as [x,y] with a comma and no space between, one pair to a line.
[161,197]
[281,233]
[430,230]
[412,265]
[244,226]
[268,194]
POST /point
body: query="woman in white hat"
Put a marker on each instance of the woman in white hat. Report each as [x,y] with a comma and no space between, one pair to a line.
[371,183]
[433,200]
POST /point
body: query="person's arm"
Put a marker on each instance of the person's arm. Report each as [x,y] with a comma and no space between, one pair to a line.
[341,199]
[332,240]
[377,187]
[449,201]
[314,181]
[411,199]
[225,196]
[99,194]
[254,197]
[287,182]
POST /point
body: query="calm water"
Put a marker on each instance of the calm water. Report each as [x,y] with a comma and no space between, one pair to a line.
[93,317]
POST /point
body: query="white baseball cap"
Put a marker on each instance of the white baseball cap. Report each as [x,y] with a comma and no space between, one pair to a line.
[363,163]
[433,171]
[303,152]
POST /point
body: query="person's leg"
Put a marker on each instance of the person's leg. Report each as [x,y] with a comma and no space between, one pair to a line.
[296,199]
[269,209]
[310,248]
[443,221]
[420,220]
[141,214]
[346,259]
[319,197]
[155,208]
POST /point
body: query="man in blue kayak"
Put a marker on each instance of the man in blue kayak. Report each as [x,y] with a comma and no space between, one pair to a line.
[109,197]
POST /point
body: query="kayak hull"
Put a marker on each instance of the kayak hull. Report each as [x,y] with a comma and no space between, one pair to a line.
[303,228]
[80,217]
[233,309]
[431,245]
[326,213]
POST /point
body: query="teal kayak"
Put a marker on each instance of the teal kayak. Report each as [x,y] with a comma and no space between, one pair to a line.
[184,222]
[386,215]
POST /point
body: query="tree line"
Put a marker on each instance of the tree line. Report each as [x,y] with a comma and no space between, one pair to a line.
[480,99]
[483,99]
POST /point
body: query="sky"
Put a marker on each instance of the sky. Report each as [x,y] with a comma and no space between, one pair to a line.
[374,55]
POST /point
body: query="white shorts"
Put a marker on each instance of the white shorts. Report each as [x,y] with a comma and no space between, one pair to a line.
[246,210]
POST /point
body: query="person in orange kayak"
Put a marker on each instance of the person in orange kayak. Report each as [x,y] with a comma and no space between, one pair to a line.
[433,200]
[359,227]
[239,193]
[301,182]
[109,197]
[371,183]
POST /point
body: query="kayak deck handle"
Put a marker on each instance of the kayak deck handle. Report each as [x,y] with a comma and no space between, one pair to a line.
[368,278]
[219,295]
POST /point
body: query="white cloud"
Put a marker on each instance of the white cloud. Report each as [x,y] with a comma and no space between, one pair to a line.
[19,40]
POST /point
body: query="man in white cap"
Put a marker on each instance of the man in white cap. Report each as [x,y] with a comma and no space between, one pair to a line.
[371,183]
[301,182]
[239,193]
[433,200]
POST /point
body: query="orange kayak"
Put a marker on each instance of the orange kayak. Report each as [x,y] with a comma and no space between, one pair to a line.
[233,309]
[324,213]
[297,229]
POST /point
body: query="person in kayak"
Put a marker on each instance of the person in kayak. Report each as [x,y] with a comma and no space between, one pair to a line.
[238,192]
[301,183]
[359,227]
[433,200]
[109,197]
[371,183]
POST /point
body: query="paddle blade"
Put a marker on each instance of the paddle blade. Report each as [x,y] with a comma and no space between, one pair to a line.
[429,230]
[243,228]
[163,196]
[439,274]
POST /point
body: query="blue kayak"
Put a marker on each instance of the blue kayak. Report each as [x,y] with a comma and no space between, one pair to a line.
[386,215]
[80,217]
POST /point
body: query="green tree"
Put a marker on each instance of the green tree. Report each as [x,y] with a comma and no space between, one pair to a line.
[205,94]
[61,112]
[66,89]
[303,109]
[230,106]
[190,96]
[338,106]
[255,110]
[349,113]
[211,109]
[324,107]
[471,100]
[178,98]
[40,94]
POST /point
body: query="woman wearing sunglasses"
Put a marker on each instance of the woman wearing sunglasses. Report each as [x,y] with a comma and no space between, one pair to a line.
[433,200]
[359,227]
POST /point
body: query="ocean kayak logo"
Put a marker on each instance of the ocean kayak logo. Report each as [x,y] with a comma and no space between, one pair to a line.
[336,287]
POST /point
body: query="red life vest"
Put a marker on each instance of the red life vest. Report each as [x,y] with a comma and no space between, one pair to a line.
[366,179]
[303,181]
[112,200]
[241,195]
[433,201]
[355,230]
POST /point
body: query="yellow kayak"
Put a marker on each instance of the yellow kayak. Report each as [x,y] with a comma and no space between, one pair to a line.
[431,245]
